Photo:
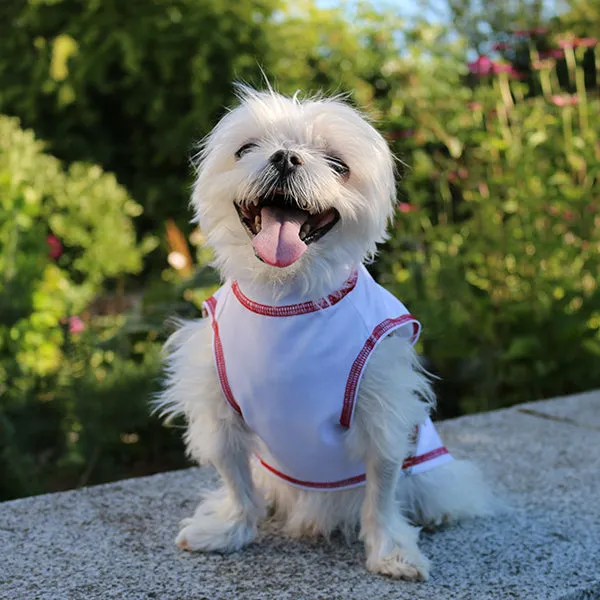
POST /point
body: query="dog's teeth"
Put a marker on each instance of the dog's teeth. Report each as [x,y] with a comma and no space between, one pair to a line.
[304,231]
[257,223]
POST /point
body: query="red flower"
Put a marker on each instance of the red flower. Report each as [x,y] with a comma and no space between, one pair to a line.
[569,215]
[555,53]
[482,66]
[55,248]
[405,207]
[500,46]
[564,100]
[401,134]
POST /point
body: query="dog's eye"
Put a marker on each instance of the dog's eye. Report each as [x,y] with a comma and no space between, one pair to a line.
[244,149]
[337,165]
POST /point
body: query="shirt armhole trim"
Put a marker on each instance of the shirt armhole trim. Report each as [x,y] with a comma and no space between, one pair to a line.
[210,306]
[358,367]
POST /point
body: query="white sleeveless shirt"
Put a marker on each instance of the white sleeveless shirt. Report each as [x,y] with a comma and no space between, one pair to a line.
[292,372]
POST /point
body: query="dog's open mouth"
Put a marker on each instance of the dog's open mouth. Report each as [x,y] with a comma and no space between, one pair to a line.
[281,230]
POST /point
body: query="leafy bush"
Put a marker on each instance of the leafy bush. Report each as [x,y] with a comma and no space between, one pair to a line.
[129,85]
[64,235]
[497,247]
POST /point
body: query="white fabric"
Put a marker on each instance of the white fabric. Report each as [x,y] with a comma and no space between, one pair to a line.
[430,451]
[294,377]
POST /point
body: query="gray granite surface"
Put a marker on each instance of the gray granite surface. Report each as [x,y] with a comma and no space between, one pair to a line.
[116,540]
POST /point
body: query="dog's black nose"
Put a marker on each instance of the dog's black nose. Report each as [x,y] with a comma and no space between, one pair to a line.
[285,161]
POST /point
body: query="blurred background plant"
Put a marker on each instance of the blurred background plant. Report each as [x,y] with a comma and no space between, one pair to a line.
[495,247]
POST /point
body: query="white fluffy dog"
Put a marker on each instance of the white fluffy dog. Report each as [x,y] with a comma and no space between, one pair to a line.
[302,387]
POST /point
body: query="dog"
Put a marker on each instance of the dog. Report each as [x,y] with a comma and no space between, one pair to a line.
[302,386]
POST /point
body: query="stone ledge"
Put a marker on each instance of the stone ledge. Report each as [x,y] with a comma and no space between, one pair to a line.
[116,540]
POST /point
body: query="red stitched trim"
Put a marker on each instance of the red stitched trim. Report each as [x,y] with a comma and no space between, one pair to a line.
[291,310]
[311,484]
[211,305]
[421,458]
[361,360]
[407,464]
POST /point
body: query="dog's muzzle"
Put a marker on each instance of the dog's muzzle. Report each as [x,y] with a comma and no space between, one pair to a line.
[280,228]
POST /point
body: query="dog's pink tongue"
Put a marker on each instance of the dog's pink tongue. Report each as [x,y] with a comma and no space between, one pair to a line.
[278,242]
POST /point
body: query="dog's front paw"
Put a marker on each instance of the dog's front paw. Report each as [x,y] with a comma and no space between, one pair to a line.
[400,563]
[208,533]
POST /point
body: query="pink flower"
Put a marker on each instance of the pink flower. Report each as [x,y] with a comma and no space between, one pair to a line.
[506,68]
[460,173]
[76,325]
[501,68]
[405,207]
[587,42]
[482,66]
[484,190]
[474,106]
[564,100]
[568,43]
[538,65]
[55,248]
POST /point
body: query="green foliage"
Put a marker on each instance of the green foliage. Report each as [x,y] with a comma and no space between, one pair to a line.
[498,246]
[64,235]
[129,85]
[86,214]
[479,21]
[495,247]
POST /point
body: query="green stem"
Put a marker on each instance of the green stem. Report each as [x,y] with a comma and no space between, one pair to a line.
[571,63]
[567,127]
[504,125]
[505,90]
[546,83]
[517,91]
[582,95]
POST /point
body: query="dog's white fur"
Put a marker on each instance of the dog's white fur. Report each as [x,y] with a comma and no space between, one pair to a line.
[394,394]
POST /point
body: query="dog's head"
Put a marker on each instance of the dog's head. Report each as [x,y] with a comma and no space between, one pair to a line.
[291,189]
